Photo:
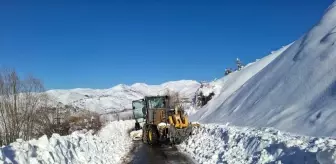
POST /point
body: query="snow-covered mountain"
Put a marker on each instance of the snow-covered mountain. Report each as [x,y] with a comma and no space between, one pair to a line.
[119,97]
[293,89]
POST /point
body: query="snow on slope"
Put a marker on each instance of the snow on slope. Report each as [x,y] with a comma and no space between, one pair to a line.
[236,145]
[296,92]
[228,85]
[109,146]
[120,96]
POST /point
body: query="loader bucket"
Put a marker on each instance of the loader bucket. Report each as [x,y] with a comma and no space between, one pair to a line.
[178,136]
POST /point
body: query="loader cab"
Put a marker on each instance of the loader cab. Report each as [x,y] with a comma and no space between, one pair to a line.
[157,102]
[157,107]
[139,112]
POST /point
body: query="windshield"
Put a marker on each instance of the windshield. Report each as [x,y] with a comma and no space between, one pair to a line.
[156,102]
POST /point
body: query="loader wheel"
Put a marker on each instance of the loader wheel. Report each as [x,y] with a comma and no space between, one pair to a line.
[144,135]
[152,135]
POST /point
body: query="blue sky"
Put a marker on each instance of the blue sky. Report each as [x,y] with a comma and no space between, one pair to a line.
[98,44]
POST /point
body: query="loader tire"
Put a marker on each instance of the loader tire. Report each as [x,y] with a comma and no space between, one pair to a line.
[152,135]
[144,134]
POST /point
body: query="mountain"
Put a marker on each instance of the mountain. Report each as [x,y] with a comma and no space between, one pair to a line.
[119,97]
[295,92]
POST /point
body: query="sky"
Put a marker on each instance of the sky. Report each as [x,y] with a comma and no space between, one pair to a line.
[99,44]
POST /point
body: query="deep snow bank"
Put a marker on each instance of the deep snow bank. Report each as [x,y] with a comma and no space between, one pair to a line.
[108,146]
[229,144]
[296,92]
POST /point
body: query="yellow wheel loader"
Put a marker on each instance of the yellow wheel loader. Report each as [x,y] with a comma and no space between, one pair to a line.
[159,122]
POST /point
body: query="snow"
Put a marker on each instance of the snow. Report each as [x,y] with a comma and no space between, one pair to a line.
[190,110]
[236,79]
[293,89]
[108,146]
[163,124]
[225,87]
[119,97]
[212,143]
[136,135]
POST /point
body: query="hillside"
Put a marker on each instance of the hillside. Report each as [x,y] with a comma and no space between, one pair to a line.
[228,85]
[119,97]
[295,92]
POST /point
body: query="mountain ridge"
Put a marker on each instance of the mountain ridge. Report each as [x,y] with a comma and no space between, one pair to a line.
[120,96]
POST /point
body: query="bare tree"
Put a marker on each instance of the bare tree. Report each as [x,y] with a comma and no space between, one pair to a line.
[175,99]
[27,112]
[20,99]
[85,119]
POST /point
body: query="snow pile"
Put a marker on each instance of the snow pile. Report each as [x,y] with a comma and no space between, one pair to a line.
[229,144]
[295,92]
[136,135]
[120,97]
[109,146]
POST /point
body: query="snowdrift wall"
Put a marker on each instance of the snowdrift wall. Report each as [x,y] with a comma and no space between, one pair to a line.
[109,146]
[296,92]
[235,145]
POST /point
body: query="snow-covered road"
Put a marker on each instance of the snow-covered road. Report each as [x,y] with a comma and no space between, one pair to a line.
[163,154]
[210,143]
